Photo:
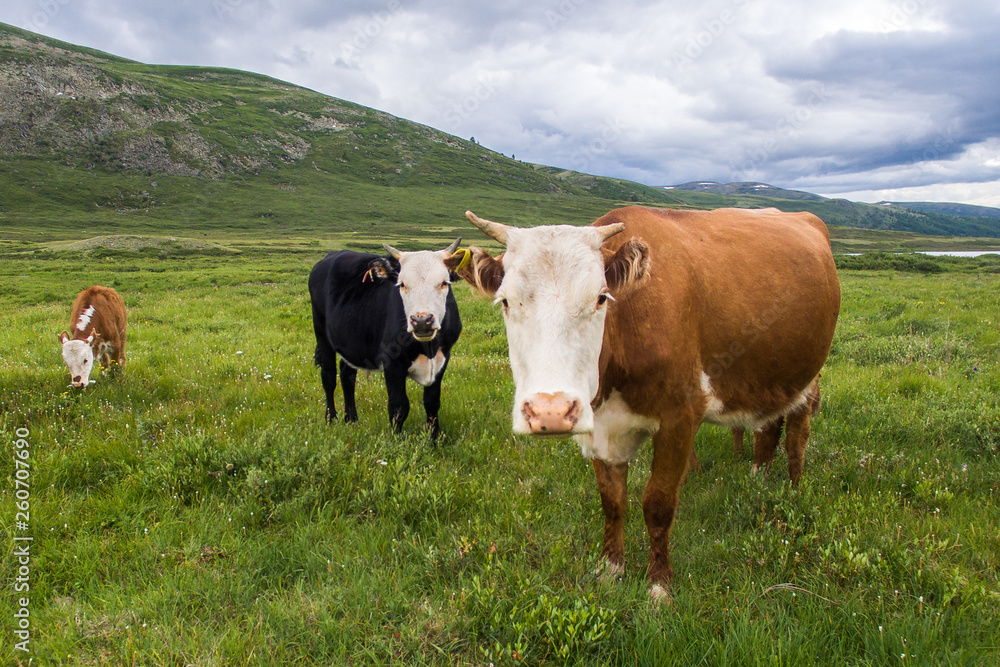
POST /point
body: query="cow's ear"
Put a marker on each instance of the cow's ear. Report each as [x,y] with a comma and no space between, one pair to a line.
[457,261]
[381,268]
[479,269]
[627,267]
[63,337]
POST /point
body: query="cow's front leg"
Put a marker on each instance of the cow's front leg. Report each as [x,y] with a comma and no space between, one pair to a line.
[432,404]
[612,483]
[399,403]
[348,380]
[672,447]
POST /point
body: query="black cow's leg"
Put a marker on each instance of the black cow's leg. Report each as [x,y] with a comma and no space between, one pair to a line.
[348,379]
[399,403]
[328,374]
[432,403]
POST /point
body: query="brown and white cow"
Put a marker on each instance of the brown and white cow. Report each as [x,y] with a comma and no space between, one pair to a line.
[650,322]
[98,326]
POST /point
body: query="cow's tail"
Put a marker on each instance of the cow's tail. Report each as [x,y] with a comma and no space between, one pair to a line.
[324,357]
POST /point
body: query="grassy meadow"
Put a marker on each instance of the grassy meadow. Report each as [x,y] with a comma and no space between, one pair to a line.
[194,509]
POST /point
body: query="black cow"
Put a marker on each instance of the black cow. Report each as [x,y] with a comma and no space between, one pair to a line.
[395,314]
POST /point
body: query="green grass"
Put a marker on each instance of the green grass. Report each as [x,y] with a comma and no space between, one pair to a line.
[194,508]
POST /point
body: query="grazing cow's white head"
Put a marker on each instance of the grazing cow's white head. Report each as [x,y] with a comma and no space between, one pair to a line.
[554,285]
[79,357]
[424,281]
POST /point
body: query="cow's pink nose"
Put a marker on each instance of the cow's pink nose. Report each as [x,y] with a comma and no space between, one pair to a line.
[551,414]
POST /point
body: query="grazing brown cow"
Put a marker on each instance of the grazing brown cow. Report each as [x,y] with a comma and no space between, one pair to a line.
[650,322]
[98,325]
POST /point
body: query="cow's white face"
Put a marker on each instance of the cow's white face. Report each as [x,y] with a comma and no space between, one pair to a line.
[553,286]
[79,357]
[424,282]
[554,300]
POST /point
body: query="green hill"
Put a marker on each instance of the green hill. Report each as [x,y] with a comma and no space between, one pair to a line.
[96,145]
[92,143]
[967,210]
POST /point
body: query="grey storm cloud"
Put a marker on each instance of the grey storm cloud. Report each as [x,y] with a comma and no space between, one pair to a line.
[859,97]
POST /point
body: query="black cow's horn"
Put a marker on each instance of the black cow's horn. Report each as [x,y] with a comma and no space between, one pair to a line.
[494,230]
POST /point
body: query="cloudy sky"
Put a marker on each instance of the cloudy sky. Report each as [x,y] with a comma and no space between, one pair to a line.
[869,99]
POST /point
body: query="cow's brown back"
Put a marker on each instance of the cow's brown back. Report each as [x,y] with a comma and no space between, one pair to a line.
[107,323]
[750,299]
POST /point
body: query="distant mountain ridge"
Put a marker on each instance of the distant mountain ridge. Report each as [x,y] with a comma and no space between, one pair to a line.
[948,219]
[949,208]
[746,188]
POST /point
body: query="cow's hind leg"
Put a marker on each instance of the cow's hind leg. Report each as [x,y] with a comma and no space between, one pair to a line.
[738,442]
[672,446]
[120,352]
[399,403]
[348,380]
[612,483]
[765,443]
[797,429]
[328,375]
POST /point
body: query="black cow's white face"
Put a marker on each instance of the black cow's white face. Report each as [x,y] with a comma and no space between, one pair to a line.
[424,282]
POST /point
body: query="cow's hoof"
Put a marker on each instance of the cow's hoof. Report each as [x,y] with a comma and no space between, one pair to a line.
[660,595]
[608,571]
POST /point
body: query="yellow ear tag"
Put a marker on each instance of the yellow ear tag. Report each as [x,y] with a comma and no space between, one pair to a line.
[466,259]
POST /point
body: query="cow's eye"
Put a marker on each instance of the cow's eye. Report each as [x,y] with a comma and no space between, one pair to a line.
[401,286]
[603,299]
[444,285]
[503,302]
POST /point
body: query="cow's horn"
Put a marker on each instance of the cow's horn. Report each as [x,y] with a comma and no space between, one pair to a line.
[607,231]
[392,251]
[450,250]
[494,230]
